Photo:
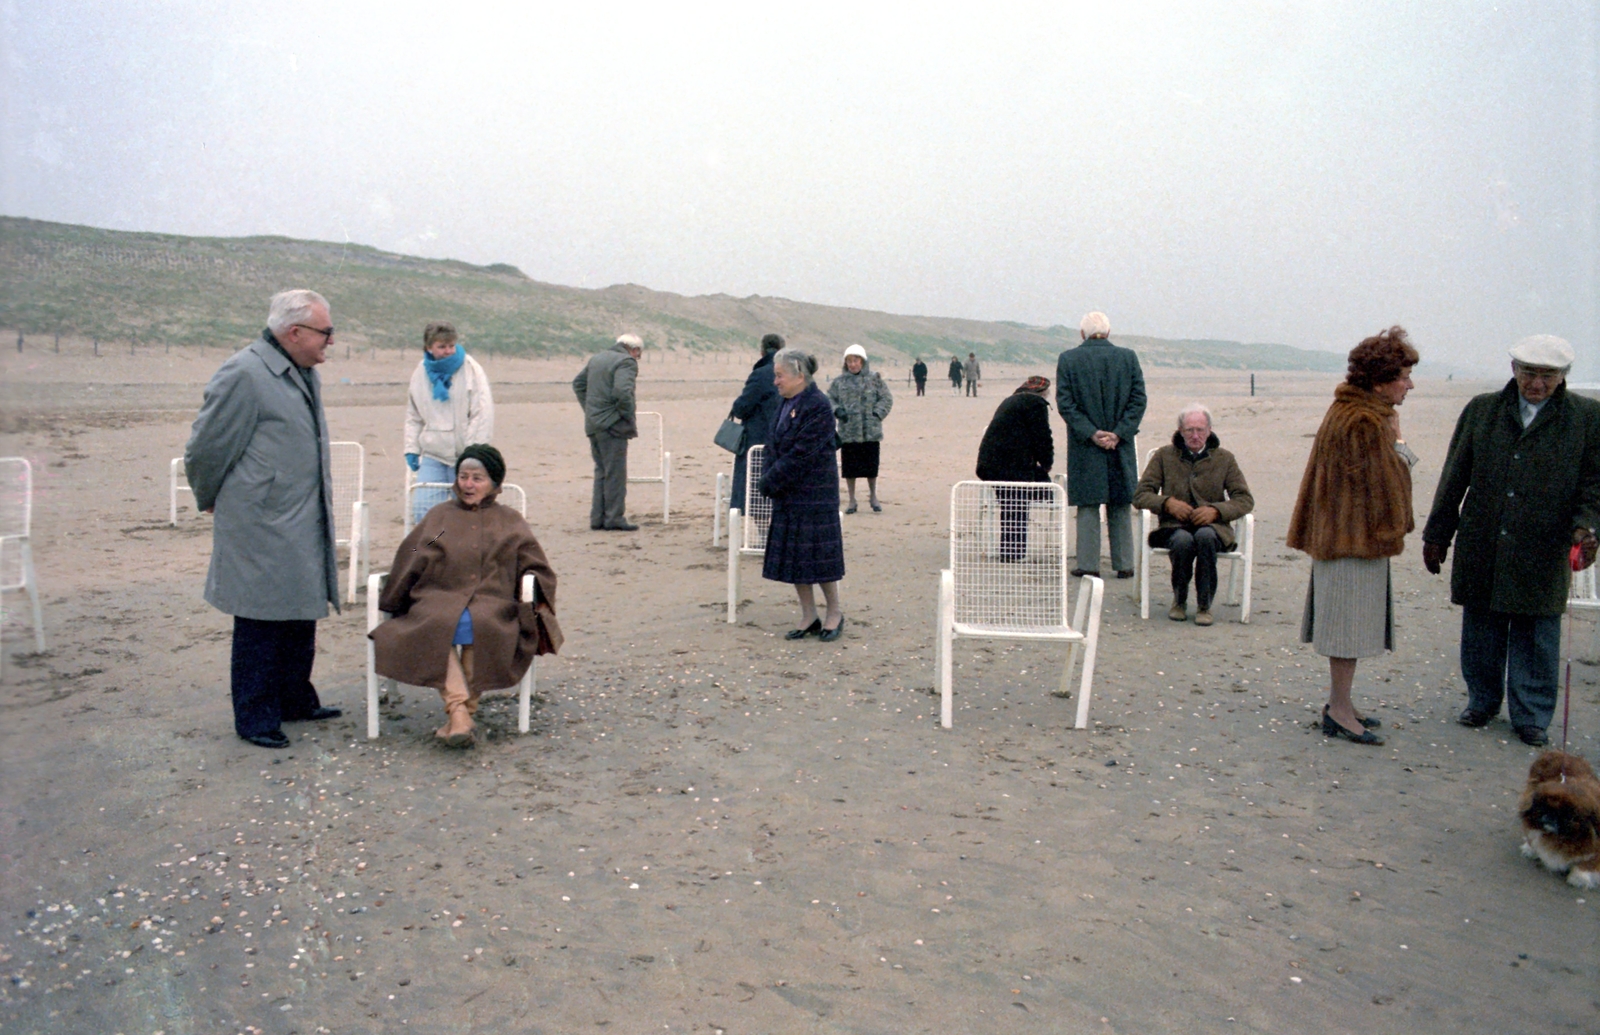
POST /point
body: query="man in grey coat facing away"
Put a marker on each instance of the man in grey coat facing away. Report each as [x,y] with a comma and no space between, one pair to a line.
[605,390]
[257,458]
[1100,393]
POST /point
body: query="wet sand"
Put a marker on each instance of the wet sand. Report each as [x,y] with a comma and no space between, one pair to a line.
[711,829]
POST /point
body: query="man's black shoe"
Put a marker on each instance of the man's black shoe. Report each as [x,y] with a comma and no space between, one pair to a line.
[1474,719]
[624,527]
[317,715]
[1533,736]
[270,739]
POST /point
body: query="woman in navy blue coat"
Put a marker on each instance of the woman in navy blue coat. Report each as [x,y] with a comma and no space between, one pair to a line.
[755,408]
[805,543]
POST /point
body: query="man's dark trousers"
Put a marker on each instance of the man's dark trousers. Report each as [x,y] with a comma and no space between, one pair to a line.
[1511,656]
[272,674]
[1186,548]
[608,504]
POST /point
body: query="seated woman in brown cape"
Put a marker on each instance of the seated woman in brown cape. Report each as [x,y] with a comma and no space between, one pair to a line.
[458,625]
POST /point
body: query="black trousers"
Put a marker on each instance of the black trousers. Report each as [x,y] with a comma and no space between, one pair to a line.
[1014,504]
[922,386]
[1194,554]
[272,674]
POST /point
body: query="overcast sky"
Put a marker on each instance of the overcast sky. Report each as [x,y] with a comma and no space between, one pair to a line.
[1292,172]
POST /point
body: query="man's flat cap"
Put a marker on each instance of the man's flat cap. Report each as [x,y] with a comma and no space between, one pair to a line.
[1543,350]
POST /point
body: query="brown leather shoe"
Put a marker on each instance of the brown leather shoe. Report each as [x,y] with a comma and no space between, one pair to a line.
[1203,618]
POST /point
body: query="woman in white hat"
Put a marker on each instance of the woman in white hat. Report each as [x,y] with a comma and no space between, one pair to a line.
[861,401]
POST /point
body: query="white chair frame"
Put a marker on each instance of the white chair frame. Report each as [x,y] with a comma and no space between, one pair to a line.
[663,464]
[375,583]
[719,504]
[511,495]
[177,481]
[16,483]
[1081,634]
[1241,561]
[747,532]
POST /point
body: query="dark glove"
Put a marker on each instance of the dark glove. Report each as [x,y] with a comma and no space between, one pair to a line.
[1433,555]
[413,461]
[842,417]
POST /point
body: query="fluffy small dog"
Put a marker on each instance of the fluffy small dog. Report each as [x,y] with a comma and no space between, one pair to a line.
[1560,810]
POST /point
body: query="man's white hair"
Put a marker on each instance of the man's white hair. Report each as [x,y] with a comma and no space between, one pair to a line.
[1194,407]
[291,307]
[1096,325]
[632,341]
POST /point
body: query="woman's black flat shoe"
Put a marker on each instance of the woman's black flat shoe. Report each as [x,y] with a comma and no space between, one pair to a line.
[1370,723]
[1332,728]
[811,630]
[829,635]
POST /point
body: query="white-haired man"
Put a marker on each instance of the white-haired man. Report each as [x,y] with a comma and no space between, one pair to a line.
[258,459]
[1520,487]
[605,390]
[1197,488]
[1100,393]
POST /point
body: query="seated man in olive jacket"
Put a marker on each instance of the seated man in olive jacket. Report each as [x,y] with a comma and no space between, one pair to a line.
[1197,488]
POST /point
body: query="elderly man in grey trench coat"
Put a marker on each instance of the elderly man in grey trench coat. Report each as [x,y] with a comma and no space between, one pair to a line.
[605,390]
[1519,489]
[258,459]
[1100,393]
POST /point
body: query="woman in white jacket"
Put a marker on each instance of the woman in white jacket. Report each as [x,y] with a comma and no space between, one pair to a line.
[448,407]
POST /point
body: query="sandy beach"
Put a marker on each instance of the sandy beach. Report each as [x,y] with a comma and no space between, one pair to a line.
[710,829]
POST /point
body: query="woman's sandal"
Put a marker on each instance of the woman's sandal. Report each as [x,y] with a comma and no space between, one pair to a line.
[1331,727]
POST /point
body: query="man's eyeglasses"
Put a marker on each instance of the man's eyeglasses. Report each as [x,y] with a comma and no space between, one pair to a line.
[326,332]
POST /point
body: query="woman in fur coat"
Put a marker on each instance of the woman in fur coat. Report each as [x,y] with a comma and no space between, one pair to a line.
[1352,515]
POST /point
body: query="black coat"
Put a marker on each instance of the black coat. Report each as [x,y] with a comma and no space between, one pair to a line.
[1511,497]
[1018,446]
[756,406]
[919,371]
[1100,387]
[955,370]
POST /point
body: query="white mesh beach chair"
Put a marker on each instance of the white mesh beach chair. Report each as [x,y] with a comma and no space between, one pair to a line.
[747,532]
[352,525]
[654,458]
[177,481]
[16,547]
[375,584]
[511,495]
[1008,579]
[1241,560]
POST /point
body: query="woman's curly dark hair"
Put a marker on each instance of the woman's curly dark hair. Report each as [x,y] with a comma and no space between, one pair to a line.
[1381,359]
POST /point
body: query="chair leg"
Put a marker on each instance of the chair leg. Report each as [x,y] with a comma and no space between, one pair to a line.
[1144,577]
[524,705]
[372,691]
[1091,645]
[735,529]
[666,488]
[947,615]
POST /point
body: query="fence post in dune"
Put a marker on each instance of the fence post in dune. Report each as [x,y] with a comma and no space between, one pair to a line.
[1008,580]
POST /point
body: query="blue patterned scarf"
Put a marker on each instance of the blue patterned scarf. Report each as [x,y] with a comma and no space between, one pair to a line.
[441,370]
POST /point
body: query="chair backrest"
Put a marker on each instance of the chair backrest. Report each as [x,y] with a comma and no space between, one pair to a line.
[647,456]
[757,508]
[512,496]
[1008,553]
[1585,592]
[349,472]
[16,518]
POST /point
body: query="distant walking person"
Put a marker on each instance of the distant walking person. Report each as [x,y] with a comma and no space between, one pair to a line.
[1198,490]
[1018,447]
[973,372]
[1100,393]
[1352,516]
[805,542]
[605,390]
[955,375]
[1526,462]
[919,374]
[258,459]
[448,407]
[755,408]
[861,401]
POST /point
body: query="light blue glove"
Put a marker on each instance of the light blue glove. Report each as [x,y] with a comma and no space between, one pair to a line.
[413,461]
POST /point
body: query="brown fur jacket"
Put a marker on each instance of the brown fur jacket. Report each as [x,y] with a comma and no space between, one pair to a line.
[1355,496]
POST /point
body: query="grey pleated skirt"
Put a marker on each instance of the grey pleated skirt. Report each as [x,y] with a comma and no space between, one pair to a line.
[1349,608]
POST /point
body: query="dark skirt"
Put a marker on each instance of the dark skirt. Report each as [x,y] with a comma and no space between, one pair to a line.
[858,460]
[805,545]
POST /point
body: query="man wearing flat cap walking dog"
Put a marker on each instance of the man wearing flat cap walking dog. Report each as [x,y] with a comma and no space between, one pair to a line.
[1520,488]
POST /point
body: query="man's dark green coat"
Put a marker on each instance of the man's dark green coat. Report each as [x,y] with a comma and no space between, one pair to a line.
[1511,498]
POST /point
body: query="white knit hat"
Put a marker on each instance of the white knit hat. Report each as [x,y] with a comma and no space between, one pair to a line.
[1543,350]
